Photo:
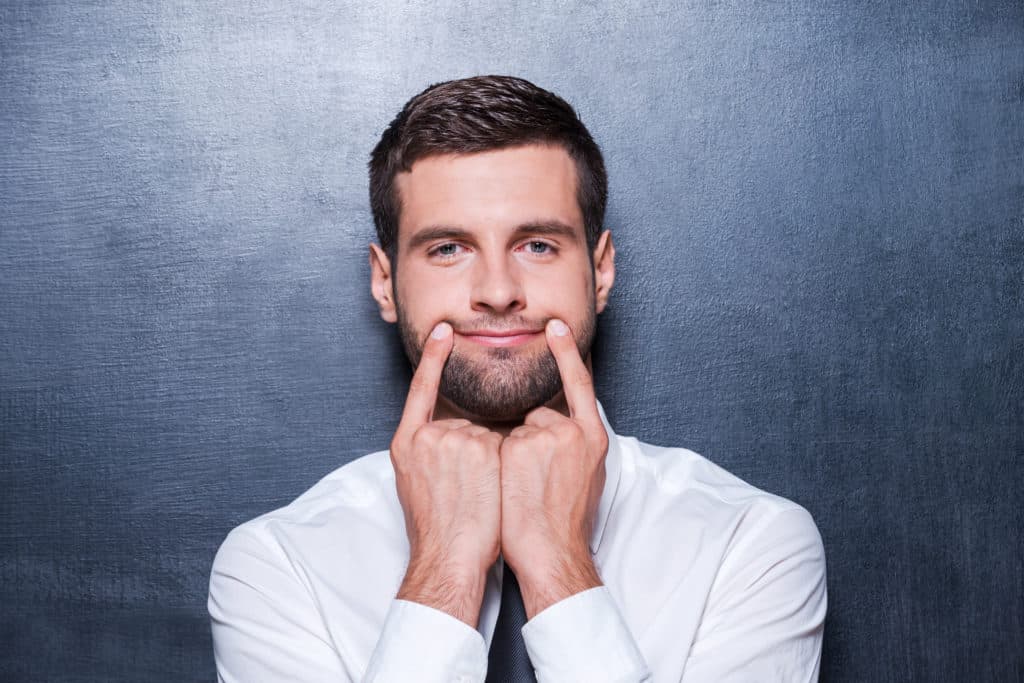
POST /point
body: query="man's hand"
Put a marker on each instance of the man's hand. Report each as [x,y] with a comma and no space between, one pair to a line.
[552,477]
[447,474]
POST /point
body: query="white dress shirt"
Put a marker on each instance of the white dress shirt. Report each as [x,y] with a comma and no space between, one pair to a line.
[706,578]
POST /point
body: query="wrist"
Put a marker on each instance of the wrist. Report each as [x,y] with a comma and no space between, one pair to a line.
[545,582]
[454,588]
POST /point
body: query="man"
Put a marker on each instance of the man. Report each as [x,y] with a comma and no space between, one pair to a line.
[505,493]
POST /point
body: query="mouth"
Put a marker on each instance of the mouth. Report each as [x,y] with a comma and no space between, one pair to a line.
[501,338]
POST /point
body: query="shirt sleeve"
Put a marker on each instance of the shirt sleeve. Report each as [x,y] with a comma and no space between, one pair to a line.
[420,643]
[267,628]
[765,616]
[584,638]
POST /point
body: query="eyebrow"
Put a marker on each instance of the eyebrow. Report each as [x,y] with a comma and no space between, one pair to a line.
[544,228]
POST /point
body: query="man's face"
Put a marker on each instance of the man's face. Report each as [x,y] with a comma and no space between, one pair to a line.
[494,244]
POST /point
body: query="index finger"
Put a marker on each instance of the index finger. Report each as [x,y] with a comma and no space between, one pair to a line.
[576,379]
[419,404]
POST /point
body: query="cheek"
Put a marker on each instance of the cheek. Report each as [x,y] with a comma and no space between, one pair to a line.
[566,294]
[425,303]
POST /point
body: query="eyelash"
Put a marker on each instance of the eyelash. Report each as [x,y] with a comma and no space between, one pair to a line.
[436,251]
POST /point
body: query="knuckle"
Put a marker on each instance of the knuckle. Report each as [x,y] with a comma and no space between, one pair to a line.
[449,437]
[477,434]
[425,436]
[538,437]
[453,440]
[542,415]
[567,430]
[520,436]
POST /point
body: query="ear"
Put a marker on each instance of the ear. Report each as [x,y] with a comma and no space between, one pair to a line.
[382,284]
[604,269]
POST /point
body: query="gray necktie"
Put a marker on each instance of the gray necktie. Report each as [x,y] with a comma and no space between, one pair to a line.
[507,661]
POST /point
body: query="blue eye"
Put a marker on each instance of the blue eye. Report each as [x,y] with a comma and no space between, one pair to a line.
[539,247]
[446,251]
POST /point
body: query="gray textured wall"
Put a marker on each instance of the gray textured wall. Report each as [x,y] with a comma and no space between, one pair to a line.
[819,209]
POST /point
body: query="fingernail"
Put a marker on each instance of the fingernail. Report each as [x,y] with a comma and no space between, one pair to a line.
[559,328]
[441,331]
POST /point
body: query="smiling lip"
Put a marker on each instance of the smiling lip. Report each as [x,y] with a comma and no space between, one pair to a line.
[500,338]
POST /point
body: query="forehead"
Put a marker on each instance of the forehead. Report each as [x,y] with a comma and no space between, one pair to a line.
[494,190]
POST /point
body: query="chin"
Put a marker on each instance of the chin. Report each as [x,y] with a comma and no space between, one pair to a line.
[477,411]
[500,390]
[489,405]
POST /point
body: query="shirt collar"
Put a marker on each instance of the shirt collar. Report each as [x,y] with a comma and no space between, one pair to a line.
[612,469]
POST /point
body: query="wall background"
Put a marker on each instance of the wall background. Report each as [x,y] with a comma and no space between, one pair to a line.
[819,212]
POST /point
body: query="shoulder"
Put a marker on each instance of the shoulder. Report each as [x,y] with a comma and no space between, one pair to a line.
[341,504]
[748,563]
[727,535]
[690,489]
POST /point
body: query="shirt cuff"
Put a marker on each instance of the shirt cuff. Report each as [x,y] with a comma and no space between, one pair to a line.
[584,638]
[420,643]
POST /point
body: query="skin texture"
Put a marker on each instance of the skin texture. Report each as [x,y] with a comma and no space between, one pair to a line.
[519,473]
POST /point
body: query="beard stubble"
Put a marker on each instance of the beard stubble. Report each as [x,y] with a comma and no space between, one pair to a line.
[505,383]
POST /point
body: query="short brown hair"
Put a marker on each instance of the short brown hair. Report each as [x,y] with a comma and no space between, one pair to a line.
[480,114]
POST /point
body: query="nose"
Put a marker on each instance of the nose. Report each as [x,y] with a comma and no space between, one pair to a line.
[497,287]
